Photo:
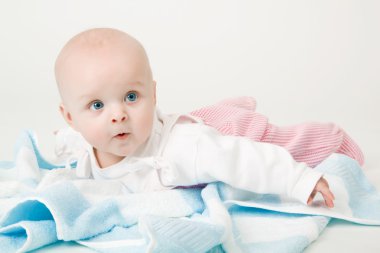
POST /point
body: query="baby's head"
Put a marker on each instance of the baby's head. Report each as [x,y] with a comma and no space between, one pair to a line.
[107,91]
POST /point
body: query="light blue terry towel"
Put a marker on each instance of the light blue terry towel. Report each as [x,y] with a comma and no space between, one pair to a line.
[43,206]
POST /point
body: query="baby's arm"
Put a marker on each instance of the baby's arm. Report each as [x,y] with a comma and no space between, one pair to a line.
[201,155]
[323,187]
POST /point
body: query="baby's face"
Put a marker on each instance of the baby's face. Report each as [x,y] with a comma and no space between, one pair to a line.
[109,97]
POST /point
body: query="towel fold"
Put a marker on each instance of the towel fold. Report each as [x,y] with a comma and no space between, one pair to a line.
[49,204]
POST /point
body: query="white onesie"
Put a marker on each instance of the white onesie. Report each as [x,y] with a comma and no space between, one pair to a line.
[182,151]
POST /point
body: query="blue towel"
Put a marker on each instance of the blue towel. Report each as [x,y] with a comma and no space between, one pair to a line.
[41,203]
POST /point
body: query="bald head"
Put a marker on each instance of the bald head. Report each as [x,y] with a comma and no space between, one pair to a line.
[95,45]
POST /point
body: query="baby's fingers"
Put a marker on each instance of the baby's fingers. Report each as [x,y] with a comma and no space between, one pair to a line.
[322,186]
[328,196]
[312,195]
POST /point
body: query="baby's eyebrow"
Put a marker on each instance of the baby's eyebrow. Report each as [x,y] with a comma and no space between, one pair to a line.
[135,83]
[85,97]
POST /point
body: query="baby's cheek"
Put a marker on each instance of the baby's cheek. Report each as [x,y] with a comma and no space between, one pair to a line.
[93,135]
[146,124]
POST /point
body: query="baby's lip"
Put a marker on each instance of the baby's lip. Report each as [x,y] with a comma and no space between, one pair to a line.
[122,135]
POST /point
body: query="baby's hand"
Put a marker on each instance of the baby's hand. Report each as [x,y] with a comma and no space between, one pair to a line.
[323,187]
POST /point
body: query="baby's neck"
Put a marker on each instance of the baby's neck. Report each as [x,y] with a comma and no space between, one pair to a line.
[106,159]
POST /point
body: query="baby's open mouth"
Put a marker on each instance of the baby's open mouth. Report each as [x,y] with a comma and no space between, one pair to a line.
[122,135]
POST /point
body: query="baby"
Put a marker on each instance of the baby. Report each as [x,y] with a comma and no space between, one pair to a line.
[109,97]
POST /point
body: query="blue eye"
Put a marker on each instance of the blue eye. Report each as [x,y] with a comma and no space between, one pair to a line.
[131,97]
[97,105]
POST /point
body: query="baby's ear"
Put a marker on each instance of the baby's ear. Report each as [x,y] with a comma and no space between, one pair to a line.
[66,115]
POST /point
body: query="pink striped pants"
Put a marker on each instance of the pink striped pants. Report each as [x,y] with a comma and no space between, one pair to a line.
[308,142]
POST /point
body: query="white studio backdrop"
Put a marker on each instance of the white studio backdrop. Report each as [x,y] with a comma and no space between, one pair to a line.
[302,60]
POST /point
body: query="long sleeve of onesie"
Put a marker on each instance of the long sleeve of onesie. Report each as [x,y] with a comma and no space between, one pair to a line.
[196,153]
[200,154]
[309,142]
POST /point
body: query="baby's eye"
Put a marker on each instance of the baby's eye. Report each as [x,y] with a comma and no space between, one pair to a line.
[97,105]
[131,97]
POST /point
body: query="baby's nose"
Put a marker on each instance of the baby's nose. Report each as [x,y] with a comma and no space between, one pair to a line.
[119,114]
[118,119]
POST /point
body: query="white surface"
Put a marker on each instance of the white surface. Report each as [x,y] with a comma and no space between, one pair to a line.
[342,236]
[338,236]
[301,59]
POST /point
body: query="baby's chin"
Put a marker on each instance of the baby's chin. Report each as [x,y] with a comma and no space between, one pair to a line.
[124,153]
[114,155]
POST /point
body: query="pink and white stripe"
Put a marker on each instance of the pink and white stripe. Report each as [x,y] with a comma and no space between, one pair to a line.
[309,142]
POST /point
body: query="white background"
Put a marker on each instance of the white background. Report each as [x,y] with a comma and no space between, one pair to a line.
[302,60]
